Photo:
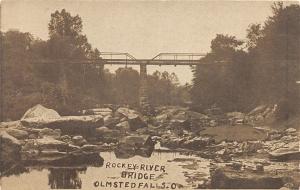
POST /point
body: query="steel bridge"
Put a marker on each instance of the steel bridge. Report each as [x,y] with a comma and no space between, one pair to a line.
[115,58]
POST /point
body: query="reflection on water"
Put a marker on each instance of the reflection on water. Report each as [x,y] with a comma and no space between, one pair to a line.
[65,178]
[186,171]
[8,169]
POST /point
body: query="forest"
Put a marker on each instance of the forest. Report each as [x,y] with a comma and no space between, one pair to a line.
[263,69]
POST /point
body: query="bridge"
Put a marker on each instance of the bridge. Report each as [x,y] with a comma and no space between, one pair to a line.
[116,58]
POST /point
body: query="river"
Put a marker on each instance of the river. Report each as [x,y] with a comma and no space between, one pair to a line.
[167,170]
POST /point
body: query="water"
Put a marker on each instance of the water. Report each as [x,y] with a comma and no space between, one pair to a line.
[173,171]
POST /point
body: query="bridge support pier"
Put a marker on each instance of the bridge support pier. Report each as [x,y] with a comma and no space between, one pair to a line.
[143,93]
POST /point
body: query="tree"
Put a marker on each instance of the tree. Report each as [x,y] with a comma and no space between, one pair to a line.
[254,34]
[19,83]
[127,85]
[217,83]
[67,41]
[223,47]
[276,57]
[64,87]
[63,24]
[164,89]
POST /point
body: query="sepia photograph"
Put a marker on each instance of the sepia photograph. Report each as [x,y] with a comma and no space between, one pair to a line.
[149,94]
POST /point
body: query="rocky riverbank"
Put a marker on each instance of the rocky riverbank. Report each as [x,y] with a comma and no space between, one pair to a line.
[232,141]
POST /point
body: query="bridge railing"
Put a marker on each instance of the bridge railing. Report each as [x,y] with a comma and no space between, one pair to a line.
[116,55]
[179,56]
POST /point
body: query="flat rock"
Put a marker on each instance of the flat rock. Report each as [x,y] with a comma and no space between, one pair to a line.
[229,178]
[125,112]
[46,132]
[289,152]
[136,122]
[291,130]
[130,146]
[17,133]
[90,148]
[123,126]
[50,143]
[98,111]
[68,124]
[10,147]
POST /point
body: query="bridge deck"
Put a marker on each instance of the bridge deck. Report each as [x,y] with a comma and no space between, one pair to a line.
[127,62]
[116,58]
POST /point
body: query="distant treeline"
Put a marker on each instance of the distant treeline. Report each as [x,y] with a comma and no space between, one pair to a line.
[263,69]
[68,88]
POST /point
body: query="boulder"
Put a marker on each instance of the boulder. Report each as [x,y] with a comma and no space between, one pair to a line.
[101,131]
[73,148]
[257,110]
[213,110]
[196,116]
[213,123]
[230,178]
[110,121]
[125,112]
[40,111]
[106,132]
[274,135]
[130,146]
[52,153]
[198,143]
[133,118]
[262,113]
[79,140]
[290,151]
[17,133]
[289,138]
[10,124]
[56,158]
[29,145]
[66,139]
[77,159]
[98,111]
[162,118]
[172,113]
[90,148]
[50,143]
[235,115]
[171,141]
[135,122]
[123,126]
[291,130]
[180,116]
[250,146]
[10,147]
[82,125]
[46,132]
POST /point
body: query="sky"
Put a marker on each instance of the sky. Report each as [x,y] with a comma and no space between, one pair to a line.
[142,28]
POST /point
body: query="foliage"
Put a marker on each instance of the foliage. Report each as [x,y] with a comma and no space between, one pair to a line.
[264,73]
[164,89]
[65,87]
